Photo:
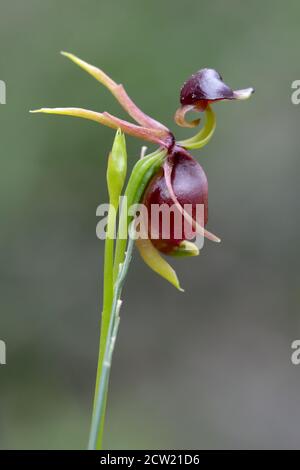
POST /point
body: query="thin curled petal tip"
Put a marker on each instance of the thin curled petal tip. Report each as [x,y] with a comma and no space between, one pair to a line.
[180,120]
[204,135]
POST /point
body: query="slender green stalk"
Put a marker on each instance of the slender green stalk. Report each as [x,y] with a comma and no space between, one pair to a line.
[115,175]
[97,428]
[116,272]
[107,290]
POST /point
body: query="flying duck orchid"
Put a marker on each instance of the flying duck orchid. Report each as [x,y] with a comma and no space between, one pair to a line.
[180,180]
[168,177]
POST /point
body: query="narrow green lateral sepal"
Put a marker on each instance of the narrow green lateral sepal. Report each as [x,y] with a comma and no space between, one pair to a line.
[156,262]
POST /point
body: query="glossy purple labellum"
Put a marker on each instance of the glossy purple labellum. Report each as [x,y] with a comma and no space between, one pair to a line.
[207,85]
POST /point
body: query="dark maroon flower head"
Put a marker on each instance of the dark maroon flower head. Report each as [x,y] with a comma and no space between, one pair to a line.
[189,184]
[207,85]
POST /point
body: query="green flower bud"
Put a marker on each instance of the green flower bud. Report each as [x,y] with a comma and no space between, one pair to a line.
[117,167]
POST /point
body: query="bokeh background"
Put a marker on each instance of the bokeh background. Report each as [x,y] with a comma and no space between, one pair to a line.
[206,369]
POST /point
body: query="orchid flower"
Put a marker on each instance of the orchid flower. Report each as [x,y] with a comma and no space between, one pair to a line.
[168,177]
[181,179]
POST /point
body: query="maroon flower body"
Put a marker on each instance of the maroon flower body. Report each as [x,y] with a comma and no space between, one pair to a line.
[190,187]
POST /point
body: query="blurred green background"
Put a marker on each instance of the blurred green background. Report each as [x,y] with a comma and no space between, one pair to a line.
[206,369]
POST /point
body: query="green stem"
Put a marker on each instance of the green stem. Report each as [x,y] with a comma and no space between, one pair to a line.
[108,290]
[114,276]
[97,428]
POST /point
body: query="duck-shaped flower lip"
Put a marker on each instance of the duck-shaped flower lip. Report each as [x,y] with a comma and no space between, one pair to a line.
[208,85]
[204,87]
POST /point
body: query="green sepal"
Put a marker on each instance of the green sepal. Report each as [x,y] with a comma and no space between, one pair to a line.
[185,249]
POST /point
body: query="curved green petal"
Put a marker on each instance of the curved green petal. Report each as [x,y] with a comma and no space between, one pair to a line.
[205,134]
[155,261]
